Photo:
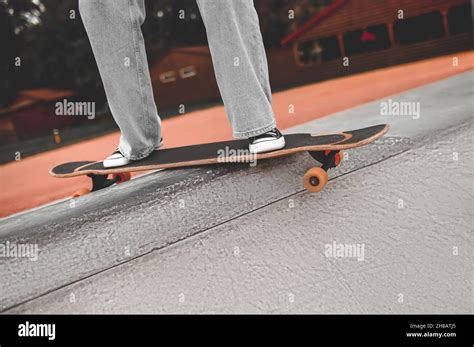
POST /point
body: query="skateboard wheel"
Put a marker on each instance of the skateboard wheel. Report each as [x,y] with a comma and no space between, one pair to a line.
[121,177]
[80,192]
[338,158]
[315,179]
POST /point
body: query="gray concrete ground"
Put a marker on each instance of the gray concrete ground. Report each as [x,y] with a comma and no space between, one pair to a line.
[391,233]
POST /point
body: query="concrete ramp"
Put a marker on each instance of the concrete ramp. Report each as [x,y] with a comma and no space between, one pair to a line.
[78,238]
[234,238]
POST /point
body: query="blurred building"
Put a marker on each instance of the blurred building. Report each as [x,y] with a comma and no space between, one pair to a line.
[33,114]
[184,76]
[364,34]
[371,34]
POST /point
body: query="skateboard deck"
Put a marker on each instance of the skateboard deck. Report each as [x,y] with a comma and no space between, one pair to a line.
[325,148]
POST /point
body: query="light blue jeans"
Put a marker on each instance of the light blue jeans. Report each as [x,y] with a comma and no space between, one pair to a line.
[240,65]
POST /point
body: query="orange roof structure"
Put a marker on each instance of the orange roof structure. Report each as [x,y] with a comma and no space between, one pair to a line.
[29,97]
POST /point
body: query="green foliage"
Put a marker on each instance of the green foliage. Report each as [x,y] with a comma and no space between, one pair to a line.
[51,42]
[14,20]
[57,52]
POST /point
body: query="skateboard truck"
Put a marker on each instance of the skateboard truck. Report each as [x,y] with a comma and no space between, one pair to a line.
[316,178]
[102,181]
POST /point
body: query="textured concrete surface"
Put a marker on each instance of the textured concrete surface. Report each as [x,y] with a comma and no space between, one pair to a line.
[79,238]
[225,240]
[409,213]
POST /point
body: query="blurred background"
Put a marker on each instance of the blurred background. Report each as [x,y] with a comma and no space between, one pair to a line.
[46,56]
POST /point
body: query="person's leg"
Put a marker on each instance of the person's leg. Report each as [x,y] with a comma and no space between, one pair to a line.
[114,31]
[240,64]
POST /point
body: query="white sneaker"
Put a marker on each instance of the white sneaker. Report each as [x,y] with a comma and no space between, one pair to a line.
[117,159]
[270,141]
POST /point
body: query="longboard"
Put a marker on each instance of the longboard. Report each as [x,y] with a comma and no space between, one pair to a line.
[325,148]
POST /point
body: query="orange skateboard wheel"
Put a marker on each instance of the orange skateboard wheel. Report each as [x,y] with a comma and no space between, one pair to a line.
[338,158]
[315,180]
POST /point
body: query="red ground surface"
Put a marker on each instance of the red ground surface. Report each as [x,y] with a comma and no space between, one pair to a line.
[27,183]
